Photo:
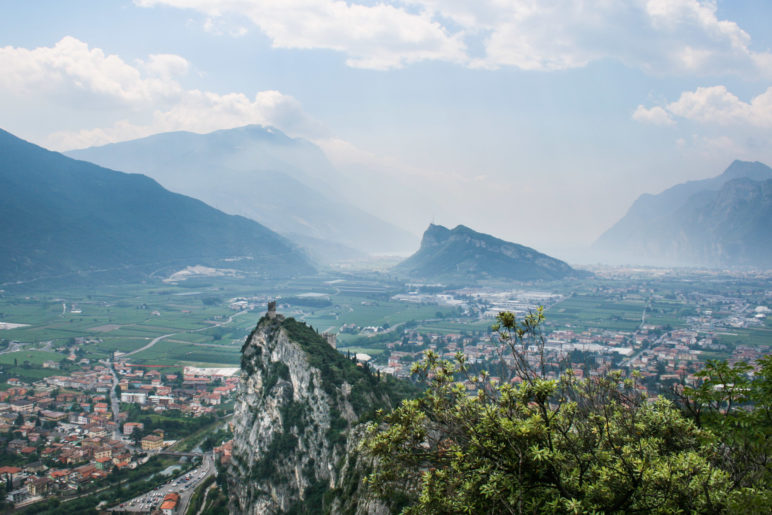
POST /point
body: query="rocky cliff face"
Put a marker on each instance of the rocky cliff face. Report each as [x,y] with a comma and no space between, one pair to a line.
[298,420]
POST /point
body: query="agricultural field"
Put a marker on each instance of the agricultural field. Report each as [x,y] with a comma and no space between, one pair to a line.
[584,311]
[193,323]
[749,336]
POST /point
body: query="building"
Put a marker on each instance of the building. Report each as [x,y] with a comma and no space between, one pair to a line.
[103,452]
[129,427]
[152,443]
[134,397]
[22,406]
[170,503]
[38,485]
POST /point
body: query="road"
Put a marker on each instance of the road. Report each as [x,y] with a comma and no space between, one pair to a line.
[19,346]
[115,403]
[146,347]
[13,347]
[150,501]
[207,469]
[626,362]
[156,340]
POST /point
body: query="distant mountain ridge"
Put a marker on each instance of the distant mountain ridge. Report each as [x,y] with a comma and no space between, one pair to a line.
[721,221]
[732,226]
[62,216]
[465,255]
[261,173]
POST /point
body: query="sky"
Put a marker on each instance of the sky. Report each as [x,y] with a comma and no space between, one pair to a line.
[537,121]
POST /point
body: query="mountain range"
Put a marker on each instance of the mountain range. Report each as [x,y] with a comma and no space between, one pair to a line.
[463,255]
[721,221]
[62,216]
[258,172]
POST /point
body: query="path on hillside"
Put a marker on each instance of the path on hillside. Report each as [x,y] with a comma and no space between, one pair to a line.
[203,501]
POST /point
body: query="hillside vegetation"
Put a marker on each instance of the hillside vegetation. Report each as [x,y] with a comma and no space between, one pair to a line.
[570,445]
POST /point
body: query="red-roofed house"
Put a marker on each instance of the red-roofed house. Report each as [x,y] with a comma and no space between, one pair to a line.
[170,503]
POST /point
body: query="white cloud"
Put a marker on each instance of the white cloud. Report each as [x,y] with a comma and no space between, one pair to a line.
[218,26]
[146,97]
[71,69]
[713,105]
[659,36]
[717,105]
[655,115]
[379,36]
[166,66]
[725,126]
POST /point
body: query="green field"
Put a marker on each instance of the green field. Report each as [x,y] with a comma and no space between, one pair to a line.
[594,311]
[751,336]
[456,326]
[34,357]
[167,352]
[196,314]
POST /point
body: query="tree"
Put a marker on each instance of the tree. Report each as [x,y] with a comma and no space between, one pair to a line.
[541,445]
[735,403]
[136,436]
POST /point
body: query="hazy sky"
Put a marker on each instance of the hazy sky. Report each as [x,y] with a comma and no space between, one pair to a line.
[537,121]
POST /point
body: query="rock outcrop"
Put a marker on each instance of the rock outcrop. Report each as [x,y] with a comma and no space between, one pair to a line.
[298,420]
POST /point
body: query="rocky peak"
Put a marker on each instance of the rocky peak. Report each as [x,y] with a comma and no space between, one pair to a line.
[464,255]
[297,423]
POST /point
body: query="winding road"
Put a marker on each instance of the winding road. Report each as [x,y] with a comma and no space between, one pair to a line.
[626,362]
[146,347]
[158,339]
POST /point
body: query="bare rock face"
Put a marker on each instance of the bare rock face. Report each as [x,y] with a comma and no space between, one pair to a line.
[297,424]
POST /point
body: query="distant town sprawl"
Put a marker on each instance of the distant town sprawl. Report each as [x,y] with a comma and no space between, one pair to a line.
[71,434]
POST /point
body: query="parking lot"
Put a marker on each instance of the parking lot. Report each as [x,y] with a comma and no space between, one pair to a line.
[183,485]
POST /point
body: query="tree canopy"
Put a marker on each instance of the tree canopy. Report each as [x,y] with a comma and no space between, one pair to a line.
[471,444]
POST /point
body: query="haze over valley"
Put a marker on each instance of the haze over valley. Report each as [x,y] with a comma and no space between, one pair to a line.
[315,256]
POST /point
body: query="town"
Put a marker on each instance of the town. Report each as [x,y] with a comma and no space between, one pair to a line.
[78,434]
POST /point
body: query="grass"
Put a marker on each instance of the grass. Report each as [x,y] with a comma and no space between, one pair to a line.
[189,442]
[122,344]
[452,326]
[752,336]
[171,352]
[365,312]
[594,311]
[35,357]
[32,374]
